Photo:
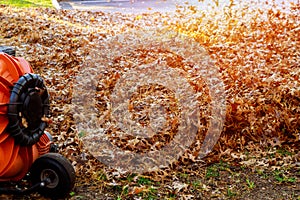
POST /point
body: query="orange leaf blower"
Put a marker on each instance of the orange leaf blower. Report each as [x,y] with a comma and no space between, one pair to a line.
[25,147]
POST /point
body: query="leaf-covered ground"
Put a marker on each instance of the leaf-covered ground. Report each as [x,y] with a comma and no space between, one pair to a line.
[257,53]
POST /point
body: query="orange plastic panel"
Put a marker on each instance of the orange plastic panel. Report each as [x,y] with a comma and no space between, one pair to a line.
[12,165]
[28,155]
[3,124]
[3,137]
[24,66]
[15,161]
[4,98]
[8,70]
[20,166]
[5,91]
[43,145]
[6,153]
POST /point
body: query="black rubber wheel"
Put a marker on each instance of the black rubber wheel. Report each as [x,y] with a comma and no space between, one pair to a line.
[58,171]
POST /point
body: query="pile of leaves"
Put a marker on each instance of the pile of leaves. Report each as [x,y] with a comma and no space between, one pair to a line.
[256,51]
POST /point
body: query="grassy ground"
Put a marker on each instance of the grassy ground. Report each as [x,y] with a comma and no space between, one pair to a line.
[27,3]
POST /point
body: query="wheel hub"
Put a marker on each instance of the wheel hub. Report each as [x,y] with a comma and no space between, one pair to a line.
[51,178]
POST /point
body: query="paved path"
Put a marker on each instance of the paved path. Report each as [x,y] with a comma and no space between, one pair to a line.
[125,6]
[139,6]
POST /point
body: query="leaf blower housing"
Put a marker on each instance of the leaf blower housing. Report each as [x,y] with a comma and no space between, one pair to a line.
[25,147]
